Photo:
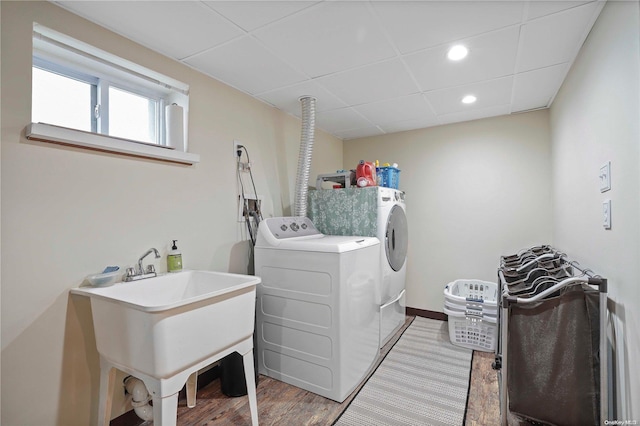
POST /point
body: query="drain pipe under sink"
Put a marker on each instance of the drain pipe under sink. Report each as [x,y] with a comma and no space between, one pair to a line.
[139,397]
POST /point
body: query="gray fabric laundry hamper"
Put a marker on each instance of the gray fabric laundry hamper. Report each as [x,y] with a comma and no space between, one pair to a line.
[553,369]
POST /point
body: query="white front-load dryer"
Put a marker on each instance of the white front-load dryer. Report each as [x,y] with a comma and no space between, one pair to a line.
[376,212]
[318,322]
[392,232]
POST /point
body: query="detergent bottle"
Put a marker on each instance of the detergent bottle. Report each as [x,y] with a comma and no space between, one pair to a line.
[366,174]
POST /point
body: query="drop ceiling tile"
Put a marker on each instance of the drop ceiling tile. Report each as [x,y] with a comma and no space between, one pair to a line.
[327,38]
[489,93]
[490,56]
[250,15]
[475,114]
[397,109]
[175,28]
[370,83]
[538,8]
[404,125]
[534,89]
[415,25]
[359,133]
[287,98]
[346,53]
[339,120]
[555,38]
[246,65]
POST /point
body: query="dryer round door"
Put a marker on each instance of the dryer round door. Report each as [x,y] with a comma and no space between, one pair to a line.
[396,238]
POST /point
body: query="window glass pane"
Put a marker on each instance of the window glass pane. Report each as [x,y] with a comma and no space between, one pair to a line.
[60,100]
[132,116]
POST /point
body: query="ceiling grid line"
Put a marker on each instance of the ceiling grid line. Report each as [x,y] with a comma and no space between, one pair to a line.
[375,67]
[525,13]
[404,63]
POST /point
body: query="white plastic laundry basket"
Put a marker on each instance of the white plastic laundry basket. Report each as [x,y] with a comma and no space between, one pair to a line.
[472,308]
[460,291]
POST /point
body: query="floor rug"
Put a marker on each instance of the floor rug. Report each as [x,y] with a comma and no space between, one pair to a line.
[424,380]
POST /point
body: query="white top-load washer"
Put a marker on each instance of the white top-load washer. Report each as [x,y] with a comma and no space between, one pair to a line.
[318,322]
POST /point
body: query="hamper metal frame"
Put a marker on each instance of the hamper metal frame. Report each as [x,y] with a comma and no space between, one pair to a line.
[507,300]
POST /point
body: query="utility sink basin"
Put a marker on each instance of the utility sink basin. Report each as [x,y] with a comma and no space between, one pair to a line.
[161,325]
[164,329]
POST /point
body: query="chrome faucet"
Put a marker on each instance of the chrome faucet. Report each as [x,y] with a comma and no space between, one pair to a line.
[140,273]
[151,250]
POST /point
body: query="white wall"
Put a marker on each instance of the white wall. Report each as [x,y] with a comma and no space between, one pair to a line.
[67,213]
[475,191]
[594,119]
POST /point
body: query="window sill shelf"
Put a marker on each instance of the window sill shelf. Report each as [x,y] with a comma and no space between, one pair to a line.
[70,137]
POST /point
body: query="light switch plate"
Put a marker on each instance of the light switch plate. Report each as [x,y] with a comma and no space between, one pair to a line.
[605,177]
[606,214]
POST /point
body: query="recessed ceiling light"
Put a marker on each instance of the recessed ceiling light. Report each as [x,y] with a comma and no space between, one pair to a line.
[469,99]
[457,52]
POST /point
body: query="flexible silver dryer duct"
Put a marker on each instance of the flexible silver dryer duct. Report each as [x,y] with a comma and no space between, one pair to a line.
[306,151]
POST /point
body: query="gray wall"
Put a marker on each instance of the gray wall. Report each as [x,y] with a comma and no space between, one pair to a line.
[594,119]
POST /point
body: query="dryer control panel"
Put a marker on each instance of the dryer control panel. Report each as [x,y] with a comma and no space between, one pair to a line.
[291,227]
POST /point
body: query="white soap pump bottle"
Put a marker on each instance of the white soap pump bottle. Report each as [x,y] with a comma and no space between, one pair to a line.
[174,259]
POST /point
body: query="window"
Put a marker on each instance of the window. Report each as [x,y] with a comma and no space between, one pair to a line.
[69,95]
[133,116]
[77,87]
[62,100]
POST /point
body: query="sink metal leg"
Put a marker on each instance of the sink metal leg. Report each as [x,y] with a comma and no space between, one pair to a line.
[107,381]
[165,410]
[192,387]
[249,374]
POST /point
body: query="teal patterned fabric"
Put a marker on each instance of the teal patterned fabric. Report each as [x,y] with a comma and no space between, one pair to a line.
[347,211]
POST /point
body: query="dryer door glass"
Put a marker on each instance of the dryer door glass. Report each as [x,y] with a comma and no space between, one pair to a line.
[396,238]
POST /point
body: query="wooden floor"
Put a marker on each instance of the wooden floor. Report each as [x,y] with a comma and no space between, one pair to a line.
[283,404]
[483,406]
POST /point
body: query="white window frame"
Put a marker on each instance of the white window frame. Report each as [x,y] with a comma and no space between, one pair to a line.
[56,68]
[56,52]
[103,101]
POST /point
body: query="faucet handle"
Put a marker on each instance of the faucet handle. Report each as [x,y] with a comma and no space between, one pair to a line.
[130,272]
[151,269]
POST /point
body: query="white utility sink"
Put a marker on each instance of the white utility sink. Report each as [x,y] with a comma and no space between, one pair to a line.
[164,329]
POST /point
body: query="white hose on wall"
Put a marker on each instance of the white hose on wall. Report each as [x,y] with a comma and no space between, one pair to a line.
[304,158]
[139,397]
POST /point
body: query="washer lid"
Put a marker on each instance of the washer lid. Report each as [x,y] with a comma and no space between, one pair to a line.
[396,238]
[299,234]
[327,243]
